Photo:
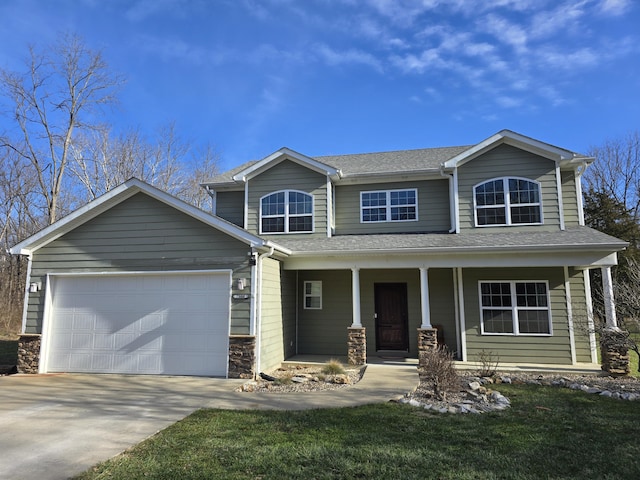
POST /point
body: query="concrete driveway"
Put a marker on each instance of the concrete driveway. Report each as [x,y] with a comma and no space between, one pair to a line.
[56,426]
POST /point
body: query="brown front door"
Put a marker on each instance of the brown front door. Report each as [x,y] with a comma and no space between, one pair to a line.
[391,316]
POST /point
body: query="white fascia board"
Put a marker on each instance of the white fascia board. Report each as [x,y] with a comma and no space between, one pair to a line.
[515,139]
[280,155]
[118,195]
[386,177]
[329,261]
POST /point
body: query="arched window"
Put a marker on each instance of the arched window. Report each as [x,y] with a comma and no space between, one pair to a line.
[507,201]
[286,211]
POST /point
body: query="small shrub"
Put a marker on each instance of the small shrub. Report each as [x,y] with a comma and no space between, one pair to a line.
[285,379]
[437,371]
[488,363]
[333,367]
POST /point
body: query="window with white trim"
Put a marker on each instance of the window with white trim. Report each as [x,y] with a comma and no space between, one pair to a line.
[507,201]
[313,295]
[286,211]
[515,308]
[389,206]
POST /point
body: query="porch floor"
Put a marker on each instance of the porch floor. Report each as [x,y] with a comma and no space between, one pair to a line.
[580,368]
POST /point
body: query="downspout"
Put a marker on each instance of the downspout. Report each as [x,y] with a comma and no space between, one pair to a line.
[452,202]
[258,319]
[212,194]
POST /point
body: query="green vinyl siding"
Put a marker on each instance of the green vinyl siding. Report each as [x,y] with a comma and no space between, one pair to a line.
[271,313]
[554,349]
[230,206]
[569,198]
[289,317]
[433,208]
[324,331]
[504,161]
[442,306]
[141,234]
[288,175]
[579,312]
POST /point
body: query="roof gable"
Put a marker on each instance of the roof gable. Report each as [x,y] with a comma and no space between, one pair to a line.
[559,155]
[120,194]
[283,154]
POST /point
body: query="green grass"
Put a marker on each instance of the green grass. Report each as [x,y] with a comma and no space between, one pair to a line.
[548,433]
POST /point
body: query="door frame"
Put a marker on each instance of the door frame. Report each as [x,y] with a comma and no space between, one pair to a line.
[402,287]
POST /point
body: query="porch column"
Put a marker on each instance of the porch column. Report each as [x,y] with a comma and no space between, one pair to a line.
[424,298]
[355,291]
[609,302]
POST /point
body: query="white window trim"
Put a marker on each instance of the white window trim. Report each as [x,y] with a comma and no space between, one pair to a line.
[507,203]
[286,214]
[308,295]
[514,309]
[388,205]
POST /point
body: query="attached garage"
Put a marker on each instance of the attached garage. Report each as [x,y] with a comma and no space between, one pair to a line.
[173,323]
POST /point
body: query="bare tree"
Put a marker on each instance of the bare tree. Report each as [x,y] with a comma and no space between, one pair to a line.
[59,94]
[101,162]
[616,171]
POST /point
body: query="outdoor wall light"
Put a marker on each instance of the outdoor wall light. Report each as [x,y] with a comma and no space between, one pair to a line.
[253,261]
[240,283]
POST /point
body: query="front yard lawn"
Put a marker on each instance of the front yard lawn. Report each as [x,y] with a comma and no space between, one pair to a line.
[548,433]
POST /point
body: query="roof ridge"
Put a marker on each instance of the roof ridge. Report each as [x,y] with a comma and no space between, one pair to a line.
[450,147]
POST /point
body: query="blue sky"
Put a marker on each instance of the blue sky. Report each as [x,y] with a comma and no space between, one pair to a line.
[345,76]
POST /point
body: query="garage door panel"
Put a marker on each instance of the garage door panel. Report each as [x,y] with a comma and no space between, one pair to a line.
[172,324]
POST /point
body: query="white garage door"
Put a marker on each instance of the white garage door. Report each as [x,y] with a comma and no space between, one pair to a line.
[173,324]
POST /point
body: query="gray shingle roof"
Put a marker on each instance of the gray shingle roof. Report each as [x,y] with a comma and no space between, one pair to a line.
[424,159]
[578,238]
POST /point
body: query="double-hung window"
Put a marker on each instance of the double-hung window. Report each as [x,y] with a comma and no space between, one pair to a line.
[389,206]
[313,295]
[515,308]
[507,201]
[286,211]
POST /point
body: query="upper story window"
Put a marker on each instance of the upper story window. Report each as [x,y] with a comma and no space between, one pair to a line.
[286,211]
[507,201]
[515,308]
[389,206]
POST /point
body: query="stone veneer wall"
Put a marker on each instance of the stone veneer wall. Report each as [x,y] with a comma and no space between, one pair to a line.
[427,340]
[242,356]
[29,353]
[357,346]
[614,352]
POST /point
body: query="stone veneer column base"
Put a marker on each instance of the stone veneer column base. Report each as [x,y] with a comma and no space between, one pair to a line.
[357,346]
[427,340]
[242,356]
[29,353]
[615,355]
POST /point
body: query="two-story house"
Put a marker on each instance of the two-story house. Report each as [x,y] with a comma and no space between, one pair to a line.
[481,247]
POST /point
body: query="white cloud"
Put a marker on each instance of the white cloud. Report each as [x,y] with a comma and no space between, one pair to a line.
[505,31]
[615,7]
[347,57]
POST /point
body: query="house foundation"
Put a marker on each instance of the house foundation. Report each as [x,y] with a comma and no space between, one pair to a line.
[29,353]
[242,356]
[357,346]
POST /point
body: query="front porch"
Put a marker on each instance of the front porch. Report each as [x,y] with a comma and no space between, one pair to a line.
[391,361]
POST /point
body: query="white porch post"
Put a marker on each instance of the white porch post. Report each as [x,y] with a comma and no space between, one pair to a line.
[609,302]
[355,290]
[424,298]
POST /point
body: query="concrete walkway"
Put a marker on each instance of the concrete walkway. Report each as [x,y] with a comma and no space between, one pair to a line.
[56,426]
